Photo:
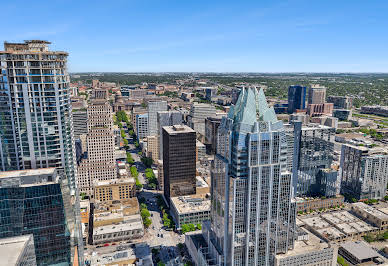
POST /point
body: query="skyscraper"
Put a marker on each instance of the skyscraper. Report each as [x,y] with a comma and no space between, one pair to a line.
[141,126]
[198,113]
[37,202]
[317,95]
[153,109]
[252,209]
[179,164]
[35,109]
[100,164]
[36,122]
[167,118]
[296,98]
[363,172]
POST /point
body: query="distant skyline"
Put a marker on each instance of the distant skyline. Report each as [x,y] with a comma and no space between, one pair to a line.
[207,36]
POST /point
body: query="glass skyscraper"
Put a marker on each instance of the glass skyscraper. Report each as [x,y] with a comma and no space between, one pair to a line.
[35,113]
[252,206]
[296,98]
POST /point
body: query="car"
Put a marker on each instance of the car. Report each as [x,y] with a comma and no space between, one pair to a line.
[161,235]
[106,245]
[113,244]
[158,235]
[152,215]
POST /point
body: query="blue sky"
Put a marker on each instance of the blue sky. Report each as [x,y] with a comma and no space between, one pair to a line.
[219,36]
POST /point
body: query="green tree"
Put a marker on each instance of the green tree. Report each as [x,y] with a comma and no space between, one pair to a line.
[341,261]
[192,227]
[199,226]
[185,228]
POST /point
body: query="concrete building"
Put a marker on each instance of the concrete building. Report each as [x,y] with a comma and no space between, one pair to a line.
[312,204]
[119,189]
[308,250]
[80,122]
[358,252]
[210,92]
[38,202]
[153,148]
[371,215]
[320,109]
[336,227]
[300,117]
[160,175]
[134,112]
[342,114]
[179,162]
[246,228]
[114,222]
[189,210]
[100,163]
[200,150]
[166,118]
[141,126]
[341,102]
[363,172]
[296,98]
[17,251]
[317,94]
[153,108]
[211,129]
[198,113]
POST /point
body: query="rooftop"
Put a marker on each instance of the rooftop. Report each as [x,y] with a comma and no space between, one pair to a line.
[115,181]
[188,204]
[11,249]
[359,249]
[370,210]
[31,172]
[178,129]
[133,224]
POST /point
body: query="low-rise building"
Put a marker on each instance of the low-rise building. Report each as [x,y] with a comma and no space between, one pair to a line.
[308,250]
[357,252]
[203,187]
[370,214]
[309,204]
[118,189]
[189,210]
[117,258]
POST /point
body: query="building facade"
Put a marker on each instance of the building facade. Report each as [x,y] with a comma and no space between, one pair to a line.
[38,202]
[153,148]
[211,129]
[18,251]
[36,125]
[364,173]
[153,109]
[317,95]
[252,206]
[296,98]
[167,118]
[179,164]
[341,102]
[141,126]
[197,115]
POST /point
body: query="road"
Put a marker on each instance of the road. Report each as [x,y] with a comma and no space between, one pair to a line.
[156,236]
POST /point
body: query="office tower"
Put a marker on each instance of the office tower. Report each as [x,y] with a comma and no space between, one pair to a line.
[80,122]
[167,118]
[141,126]
[137,111]
[211,129]
[363,172]
[37,202]
[341,102]
[17,251]
[313,149]
[179,165]
[36,117]
[100,163]
[252,210]
[153,109]
[198,113]
[153,148]
[317,95]
[296,98]
[35,109]
[210,93]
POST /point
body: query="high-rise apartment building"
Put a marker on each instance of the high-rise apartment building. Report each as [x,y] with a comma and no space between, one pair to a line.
[252,207]
[341,102]
[153,109]
[296,98]
[100,163]
[312,150]
[38,202]
[36,130]
[164,119]
[197,115]
[317,94]
[35,109]
[179,164]
[80,122]
[141,126]
[363,172]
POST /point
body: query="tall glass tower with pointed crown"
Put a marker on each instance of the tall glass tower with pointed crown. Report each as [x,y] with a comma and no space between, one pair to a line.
[252,207]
